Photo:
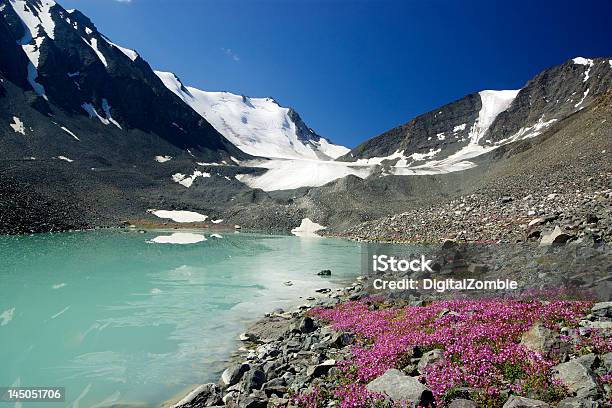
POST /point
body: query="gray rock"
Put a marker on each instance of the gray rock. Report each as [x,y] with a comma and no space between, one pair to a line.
[253,379]
[327,302]
[602,309]
[462,403]
[206,395]
[557,237]
[543,340]
[606,359]
[276,386]
[522,402]
[578,403]
[325,272]
[400,387]
[256,400]
[577,378]
[320,369]
[429,358]
[340,339]
[233,374]
[605,326]
[589,361]
[306,325]
[249,337]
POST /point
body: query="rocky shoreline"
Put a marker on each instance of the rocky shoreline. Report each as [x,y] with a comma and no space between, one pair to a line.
[300,358]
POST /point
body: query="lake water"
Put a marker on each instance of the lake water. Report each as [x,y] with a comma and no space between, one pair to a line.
[119,319]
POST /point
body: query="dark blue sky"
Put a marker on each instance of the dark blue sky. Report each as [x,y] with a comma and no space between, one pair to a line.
[354,69]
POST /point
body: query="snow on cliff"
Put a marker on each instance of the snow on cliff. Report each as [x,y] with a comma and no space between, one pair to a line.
[257,126]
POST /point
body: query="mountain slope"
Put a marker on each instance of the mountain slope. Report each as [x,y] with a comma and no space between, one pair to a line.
[257,126]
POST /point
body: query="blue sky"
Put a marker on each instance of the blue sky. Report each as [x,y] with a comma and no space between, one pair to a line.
[354,69]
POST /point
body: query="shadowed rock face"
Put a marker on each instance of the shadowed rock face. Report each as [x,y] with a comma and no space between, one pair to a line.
[421,133]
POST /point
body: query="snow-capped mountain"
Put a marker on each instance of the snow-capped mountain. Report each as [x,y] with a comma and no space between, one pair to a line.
[483,121]
[257,126]
[452,137]
[62,58]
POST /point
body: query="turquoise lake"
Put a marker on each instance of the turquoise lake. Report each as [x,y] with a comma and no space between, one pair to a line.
[120,320]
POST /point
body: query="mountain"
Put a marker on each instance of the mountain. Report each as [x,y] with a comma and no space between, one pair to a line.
[450,138]
[257,126]
[446,138]
[72,67]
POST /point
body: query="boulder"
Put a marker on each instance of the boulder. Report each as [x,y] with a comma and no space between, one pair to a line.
[324,272]
[400,387]
[320,370]
[543,340]
[557,237]
[233,374]
[340,339]
[429,358]
[305,325]
[249,337]
[578,403]
[206,395]
[256,400]
[602,309]
[462,403]
[253,380]
[522,402]
[577,378]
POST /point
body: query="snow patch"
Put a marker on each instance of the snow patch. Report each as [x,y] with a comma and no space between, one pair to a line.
[131,54]
[493,103]
[35,19]
[583,98]
[187,181]
[179,215]
[93,113]
[286,174]
[584,61]
[162,159]
[64,158]
[218,236]
[17,125]
[459,128]
[93,43]
[217,221]
[529,132]
[307,228]
[69,132]
[181,238]
[107,111]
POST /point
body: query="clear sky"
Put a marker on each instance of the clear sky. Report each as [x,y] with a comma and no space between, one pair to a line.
[354,69]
